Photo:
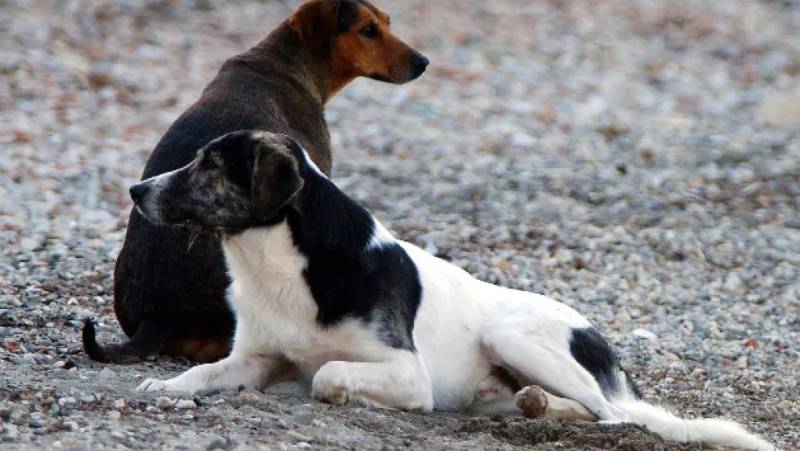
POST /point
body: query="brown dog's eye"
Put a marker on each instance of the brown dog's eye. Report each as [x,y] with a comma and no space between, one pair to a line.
[370,31]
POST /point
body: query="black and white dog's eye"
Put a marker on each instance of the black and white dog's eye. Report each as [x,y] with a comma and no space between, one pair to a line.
[370,31]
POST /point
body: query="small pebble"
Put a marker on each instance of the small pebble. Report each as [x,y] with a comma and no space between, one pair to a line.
[106,375]
[185,404]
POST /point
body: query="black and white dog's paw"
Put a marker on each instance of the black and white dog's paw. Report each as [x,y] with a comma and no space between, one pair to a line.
[151,385]
[170,385]
[332,384]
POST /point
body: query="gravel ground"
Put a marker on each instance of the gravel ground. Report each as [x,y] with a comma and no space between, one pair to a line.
[638,160]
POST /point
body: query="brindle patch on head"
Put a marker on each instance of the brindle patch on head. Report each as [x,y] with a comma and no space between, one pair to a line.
[208,193]
[238,181]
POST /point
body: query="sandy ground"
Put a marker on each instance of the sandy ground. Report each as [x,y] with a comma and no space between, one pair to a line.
[638,160]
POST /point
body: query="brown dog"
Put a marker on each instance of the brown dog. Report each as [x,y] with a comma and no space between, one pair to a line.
[169,287]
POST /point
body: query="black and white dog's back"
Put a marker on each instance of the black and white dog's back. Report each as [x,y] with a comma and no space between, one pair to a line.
[319,284]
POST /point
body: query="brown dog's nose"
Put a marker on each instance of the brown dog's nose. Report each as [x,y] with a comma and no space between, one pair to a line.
[418,64]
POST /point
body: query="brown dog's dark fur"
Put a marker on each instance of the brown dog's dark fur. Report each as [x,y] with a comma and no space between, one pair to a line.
[169,292]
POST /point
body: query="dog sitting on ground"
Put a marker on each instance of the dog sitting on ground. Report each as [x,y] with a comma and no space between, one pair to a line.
[169,285]
[321,287]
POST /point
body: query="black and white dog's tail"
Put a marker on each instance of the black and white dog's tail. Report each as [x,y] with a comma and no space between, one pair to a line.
[713,431]
[593,352]
[148,340]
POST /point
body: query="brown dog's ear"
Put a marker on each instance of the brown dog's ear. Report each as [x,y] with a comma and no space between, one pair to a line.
[275,180]
[316,23]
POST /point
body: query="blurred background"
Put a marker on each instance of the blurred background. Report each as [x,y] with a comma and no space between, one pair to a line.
[637,159]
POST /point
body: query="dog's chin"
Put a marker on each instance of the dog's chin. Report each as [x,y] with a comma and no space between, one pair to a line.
[155,218]
[405,78]
[191,228]
[201,229]
[152,217]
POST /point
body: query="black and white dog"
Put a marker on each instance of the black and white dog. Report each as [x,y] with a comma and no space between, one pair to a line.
[321,286]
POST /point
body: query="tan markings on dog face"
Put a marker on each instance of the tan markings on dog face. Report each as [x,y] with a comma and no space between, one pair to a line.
[369,49]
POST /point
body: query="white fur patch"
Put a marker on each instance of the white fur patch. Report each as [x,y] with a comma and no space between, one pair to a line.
[311,163]
[380,236]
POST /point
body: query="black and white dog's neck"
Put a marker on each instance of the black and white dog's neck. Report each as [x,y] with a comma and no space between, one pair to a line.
[326,218]
[354,267]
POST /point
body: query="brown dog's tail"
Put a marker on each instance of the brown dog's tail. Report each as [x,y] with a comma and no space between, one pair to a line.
[148,340]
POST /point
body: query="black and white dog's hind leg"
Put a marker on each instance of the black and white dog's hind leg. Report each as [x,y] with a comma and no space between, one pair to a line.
[495,396]
[534,345]
[545,343]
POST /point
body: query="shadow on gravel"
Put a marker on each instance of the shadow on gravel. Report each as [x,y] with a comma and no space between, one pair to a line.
[552,433]
[451,430]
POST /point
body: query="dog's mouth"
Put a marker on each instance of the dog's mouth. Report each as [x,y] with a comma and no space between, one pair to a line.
[157,219]
[193,229]
[410,74]
[147,215]
[196,230]
[383,78]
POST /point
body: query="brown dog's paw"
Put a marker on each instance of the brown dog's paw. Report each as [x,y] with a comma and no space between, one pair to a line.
[531,401]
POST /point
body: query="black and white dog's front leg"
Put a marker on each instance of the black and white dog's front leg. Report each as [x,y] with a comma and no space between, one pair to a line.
[252,371]
[401,381]
[248,364]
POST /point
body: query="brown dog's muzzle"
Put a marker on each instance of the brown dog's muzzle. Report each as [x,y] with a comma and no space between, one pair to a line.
[402,63]
[406,68]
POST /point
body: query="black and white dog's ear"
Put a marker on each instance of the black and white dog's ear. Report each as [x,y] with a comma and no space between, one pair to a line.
[276,178]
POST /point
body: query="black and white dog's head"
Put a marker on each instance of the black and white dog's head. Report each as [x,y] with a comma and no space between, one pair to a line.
[241,180]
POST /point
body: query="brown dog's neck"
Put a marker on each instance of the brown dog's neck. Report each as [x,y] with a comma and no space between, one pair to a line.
[283,52]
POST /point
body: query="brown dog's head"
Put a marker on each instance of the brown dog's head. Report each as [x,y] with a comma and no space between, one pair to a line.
[355,37]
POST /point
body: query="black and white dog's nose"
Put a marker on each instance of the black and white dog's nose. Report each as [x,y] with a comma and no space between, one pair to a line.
[138,191]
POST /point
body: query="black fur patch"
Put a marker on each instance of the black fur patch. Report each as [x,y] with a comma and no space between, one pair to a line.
[380,286]
[348,13]
[594,353]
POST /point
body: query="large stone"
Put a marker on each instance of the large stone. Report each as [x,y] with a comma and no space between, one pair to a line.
[781,110]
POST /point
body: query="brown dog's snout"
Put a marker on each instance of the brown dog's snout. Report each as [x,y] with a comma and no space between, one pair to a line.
[419,63]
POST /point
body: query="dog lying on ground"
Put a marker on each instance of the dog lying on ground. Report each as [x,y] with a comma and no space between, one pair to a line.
[321,286]
[169,285]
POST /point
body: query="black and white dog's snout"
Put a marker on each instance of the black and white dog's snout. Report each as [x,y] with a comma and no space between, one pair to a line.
[145,196]
[139,191]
